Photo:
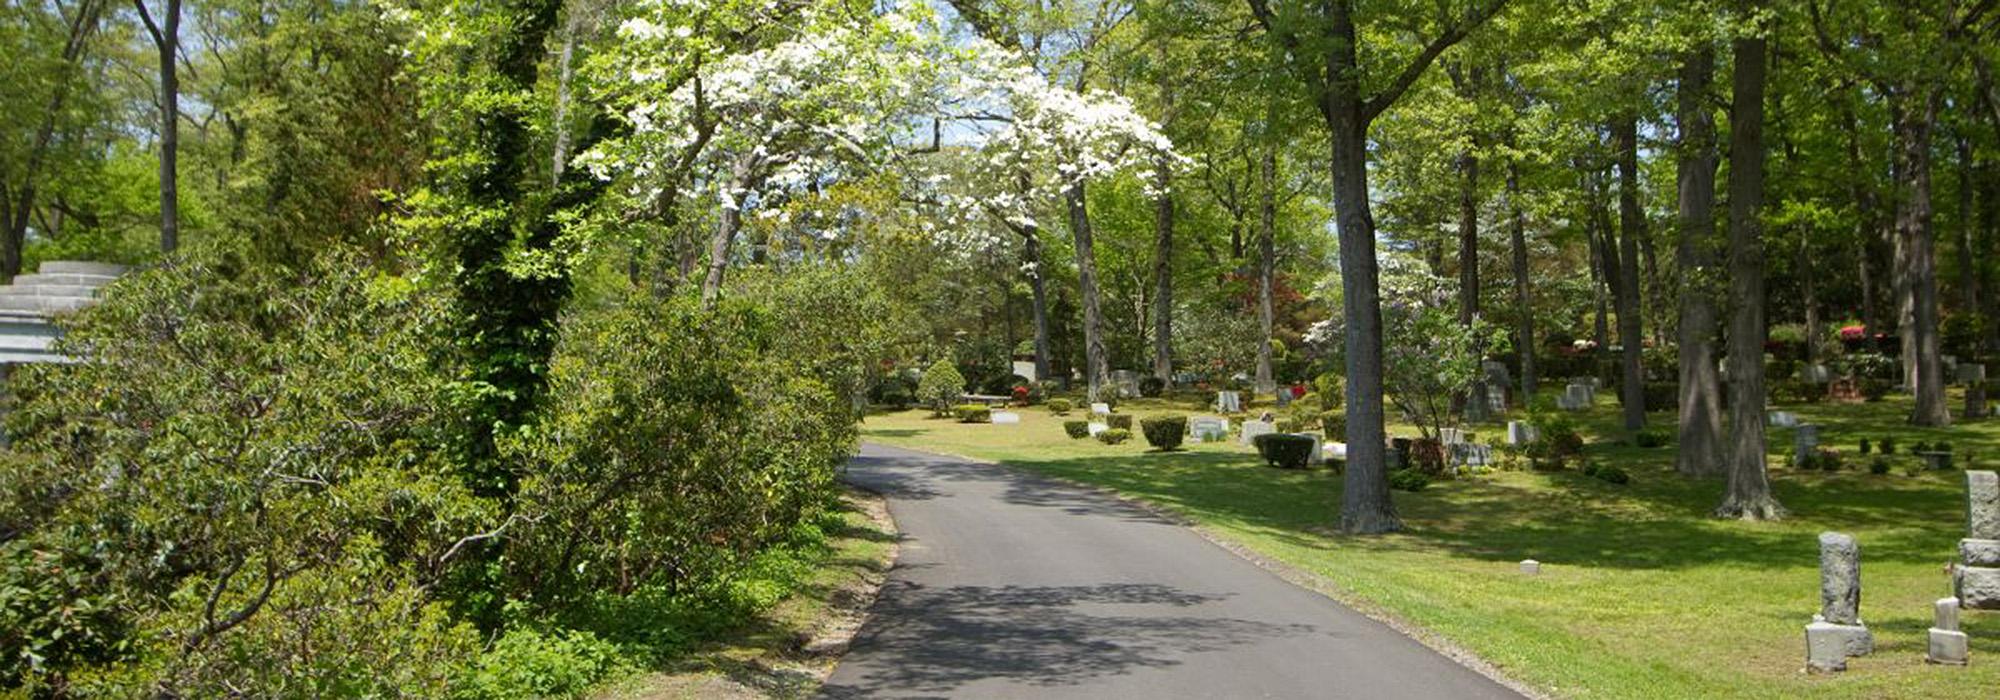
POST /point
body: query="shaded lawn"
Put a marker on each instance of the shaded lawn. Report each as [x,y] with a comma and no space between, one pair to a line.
[1641,595]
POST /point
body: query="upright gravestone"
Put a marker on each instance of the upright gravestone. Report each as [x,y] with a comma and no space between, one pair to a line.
[1975,399]
[1496,399]
[1581,396]
[1100,409]
[1254,428]
[1784,419]
[1228,402]
[1451,436]
[1976,579]
[1949,646]
[1971,373]
[1804,440]
[1816,374]
[1837,632]
[1520,433]
[1208,428]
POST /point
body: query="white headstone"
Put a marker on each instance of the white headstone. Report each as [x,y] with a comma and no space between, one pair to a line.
[1336,450]
[1100,409]
[1254,428]
[1026,369]
[1784,419]
[1315,457]
[1228,402]
[1531,567]
[1004,417]
[1208,428]
[1096,428]
[1520,433]
[1451,436]
[1581,395]
[1816,374]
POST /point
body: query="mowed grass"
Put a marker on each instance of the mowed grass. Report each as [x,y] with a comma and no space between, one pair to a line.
[1641,594]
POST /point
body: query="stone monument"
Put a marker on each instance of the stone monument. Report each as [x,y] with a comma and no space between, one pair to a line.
[1837,632]
[1228,402]
[1948,645]
[1976,579]
[1804,441]
[1254,428]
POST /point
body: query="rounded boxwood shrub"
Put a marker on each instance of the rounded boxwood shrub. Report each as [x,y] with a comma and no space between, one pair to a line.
[1077,429]
[1651,438]
[1119,421]
[974,413]
[1879,467]
[1285,450]
[940,386]
[1410,480]
[1059,407]
[1114,436]
[1164,432]
[1611,474]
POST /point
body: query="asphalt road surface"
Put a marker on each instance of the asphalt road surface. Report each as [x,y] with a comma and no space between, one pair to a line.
[1012,586]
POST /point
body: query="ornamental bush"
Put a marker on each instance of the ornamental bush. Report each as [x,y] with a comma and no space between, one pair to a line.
[973,413]
[1164,432]
[1284,450]
[1077,429]
[1612,474]
[940,387]
[1060,407]
[1114,436]
[1119,421]
[1652,438]
[1410,480]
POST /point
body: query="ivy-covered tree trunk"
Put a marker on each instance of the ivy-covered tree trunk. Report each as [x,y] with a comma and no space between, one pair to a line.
[1095,365]
[1267,264]
[1632,227]
[1700,391]
[508,321]
[1748,495]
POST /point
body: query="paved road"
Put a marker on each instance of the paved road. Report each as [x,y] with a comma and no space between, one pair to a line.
[1010,586]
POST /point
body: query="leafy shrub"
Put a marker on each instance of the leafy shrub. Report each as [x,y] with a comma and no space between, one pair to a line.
[894,392]
[1879,467]
[1612,474]
[1119,421]
[1410,480]
[1152,387]
[1284,450]
[1809,392]
[973,413]
[1941,446]
[1077,429]
[1060,407]
[1920,448]
[525,664]
[1114,436]
[1651,438]
[1164,432]
[1662,396]
[940,387]
[1427,454]
[1873,388]
[1866,447]
[1888,445]
[1023,396]
[1333,425]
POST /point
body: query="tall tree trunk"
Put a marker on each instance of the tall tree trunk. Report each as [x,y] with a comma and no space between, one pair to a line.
[1038,284]
[1365,506]
[1468,270]
[1267,263]
[1700,391]
[82,24]
[166,38]
[1163,274]
[1524,308]
[1096,365]
[1748,495]
[1604,248]
[1968,249]
[1914,230]
[727,222]
[1866,222]
[1632,227]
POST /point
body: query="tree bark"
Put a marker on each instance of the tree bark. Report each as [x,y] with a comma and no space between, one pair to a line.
[727,222]
[1700,390]
[1267,253]
[1913,228]
[1096,365]
[1163,274]
[1524,313]
[166,37]
[1632,227]
[1038,284]
[1968,250]
[1468,270]
[1748,496]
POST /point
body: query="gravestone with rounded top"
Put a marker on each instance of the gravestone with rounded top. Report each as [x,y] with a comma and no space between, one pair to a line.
[1976,578]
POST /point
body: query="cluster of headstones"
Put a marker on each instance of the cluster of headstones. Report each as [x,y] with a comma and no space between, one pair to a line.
[1837,632]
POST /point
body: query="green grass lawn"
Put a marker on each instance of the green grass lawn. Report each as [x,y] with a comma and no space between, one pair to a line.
[1641,595]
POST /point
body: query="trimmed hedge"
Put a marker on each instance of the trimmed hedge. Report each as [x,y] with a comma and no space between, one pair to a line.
[1119,421]
[1284,450]
[974,413]
[1059,407]
[1077,429]
[1114,436]
[1164,432]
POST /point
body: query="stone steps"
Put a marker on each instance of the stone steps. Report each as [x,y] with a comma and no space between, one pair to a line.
[42,304]
[77,267]
[48,290]
[64,279]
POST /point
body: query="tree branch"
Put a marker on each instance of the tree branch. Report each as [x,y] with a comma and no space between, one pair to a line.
[1452,34]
